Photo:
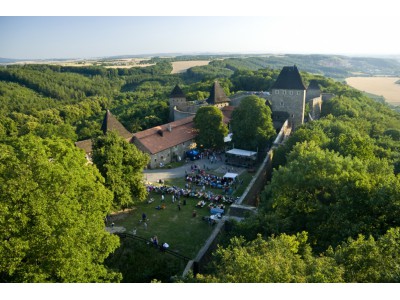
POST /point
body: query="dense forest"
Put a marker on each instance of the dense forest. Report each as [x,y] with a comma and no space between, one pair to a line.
[330,212]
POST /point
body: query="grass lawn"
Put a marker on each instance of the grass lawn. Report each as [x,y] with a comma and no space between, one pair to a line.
[184,233]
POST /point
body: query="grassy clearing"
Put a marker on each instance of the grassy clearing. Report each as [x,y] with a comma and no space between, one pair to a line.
[185,234]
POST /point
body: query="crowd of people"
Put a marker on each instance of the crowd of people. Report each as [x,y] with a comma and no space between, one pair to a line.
[177,193]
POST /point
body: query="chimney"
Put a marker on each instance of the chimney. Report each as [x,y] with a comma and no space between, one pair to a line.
[169,128]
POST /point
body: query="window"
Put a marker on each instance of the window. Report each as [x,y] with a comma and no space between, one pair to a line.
[298,92]
[276,92]
[284,92]
[282,104]
[291,92]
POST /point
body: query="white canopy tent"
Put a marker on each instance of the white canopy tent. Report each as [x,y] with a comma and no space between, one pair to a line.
[231,175]
[240,152]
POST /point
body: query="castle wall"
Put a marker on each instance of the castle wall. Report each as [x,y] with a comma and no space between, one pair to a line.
[176,101]
[179,114]
[169,155]
[292,102]
[315,107]
[312,93]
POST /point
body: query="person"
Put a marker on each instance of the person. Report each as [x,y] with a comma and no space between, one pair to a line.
[184,201]
[162,198]
[145,225]
[155,241]
[112,224]
[179,206]
[173,198]
[144,217]
[134,231]
[194,213]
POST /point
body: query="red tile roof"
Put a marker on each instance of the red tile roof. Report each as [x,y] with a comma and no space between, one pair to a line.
[151,140]
[159,138]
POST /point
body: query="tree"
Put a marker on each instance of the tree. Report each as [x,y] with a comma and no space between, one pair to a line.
[369,259]
[211,130]
[121,164]
[334,197]
[52,214]
[251,124]
[285,258]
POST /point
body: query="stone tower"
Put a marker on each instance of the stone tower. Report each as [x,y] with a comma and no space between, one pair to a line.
[288,95]
[218,97]
[313,90]
[176,98]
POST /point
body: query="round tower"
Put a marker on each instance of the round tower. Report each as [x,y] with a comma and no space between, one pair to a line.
[176,98]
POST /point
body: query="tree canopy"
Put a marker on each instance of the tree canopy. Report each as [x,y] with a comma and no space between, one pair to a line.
[251,124]
[210,126]
[121,164]
[52,214]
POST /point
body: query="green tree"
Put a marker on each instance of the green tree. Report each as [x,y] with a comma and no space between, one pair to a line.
[121,164]
[285,258]
[52,214]
[210,126]
[334,197]
[369,259]
[251,124]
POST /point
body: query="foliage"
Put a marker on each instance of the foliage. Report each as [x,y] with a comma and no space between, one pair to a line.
[121,164]
[334,197]
[52,214]
[211,130]
[284,258]
[251,124]
[143,263]
[370,260]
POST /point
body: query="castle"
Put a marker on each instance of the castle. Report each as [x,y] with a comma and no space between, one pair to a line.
[289,98]
[168,142]
[180,108]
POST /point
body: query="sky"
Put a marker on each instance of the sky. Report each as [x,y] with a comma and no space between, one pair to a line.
[250,26]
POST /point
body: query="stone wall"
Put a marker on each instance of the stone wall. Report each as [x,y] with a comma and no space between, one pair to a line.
[168,155]
[179,115]
[315,107]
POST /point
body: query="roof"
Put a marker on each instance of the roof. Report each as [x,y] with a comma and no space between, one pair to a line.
[240,152]
[86,145]
[159,138]
[110,123]
[177,92]
[289,79]
[217,95]
[231,175]
[313,85]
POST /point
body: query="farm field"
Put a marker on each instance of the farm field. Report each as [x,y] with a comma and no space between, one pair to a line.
[182,66]
[381,86]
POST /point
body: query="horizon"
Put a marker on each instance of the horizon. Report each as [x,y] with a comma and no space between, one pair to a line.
[46,38]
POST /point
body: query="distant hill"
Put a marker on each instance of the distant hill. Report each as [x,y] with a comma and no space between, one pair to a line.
[334,66]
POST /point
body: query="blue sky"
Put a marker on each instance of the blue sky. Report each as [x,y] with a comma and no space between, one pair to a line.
[40,37]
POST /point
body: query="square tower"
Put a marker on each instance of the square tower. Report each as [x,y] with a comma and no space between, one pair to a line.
[288,95]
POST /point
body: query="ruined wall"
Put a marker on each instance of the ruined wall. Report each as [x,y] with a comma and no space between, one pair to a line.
[315,107]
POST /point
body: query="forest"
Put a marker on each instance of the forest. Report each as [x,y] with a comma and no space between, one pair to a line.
[329,214]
